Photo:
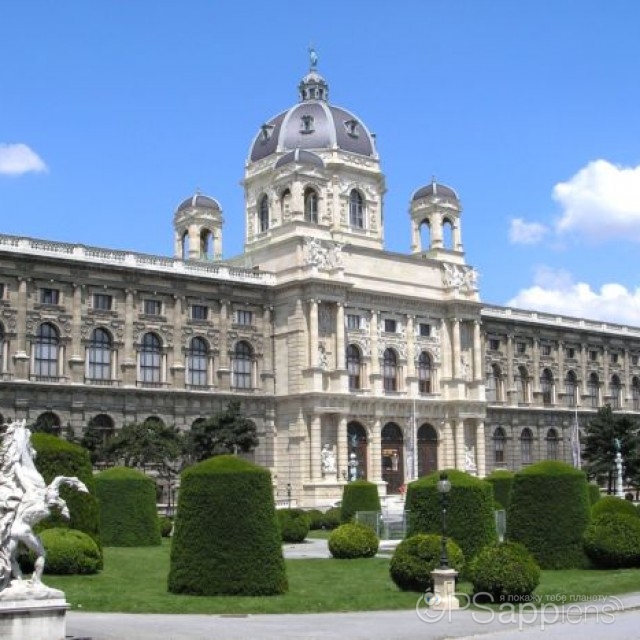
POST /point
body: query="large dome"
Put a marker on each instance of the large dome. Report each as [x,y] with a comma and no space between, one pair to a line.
[313,123]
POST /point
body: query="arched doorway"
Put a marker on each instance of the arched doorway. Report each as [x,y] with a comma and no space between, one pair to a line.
[427,450]
[392,457]
[357,439]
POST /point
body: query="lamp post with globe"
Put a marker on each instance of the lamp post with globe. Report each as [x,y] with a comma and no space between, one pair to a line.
[444,486]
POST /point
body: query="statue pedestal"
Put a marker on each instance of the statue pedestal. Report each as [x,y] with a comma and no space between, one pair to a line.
[444,587]
[32,614]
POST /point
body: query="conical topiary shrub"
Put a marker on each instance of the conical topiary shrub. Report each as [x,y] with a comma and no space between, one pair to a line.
[470,513]
[549,512]
[128,516]
[359,495]
[226,539]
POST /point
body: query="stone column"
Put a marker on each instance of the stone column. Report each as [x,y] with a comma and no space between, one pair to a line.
[343,448]
[459,443]
[627,378]
[178,367]
[536,364]
[481,454]
[224,372]
[375,453]
[340,341]
[20,356]
[446,349]
[316,447]
[411,347]
[455,354]
[606,386]
[583,368]
[268,373]
[76,357]
[510,398]
[478,373]
[313,333]
[373,334]
[129,362]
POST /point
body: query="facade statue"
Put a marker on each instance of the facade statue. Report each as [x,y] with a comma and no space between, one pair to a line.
[328,458]
[25,500]
[470,460]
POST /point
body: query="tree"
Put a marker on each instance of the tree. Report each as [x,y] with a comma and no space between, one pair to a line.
[599,450]
[226,432]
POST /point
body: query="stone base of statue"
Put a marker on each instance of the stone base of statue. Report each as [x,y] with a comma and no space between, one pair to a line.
[444,587]
[32,613]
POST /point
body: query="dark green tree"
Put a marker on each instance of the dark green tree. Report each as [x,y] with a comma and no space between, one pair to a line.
[602,435]
[226,432]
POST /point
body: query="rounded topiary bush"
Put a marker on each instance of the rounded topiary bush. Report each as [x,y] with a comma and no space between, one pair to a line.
[359,495]
[315,518]
[470,510]
[502,481]
[58,457]
[70,552]
[416,557]
[294,524]
[128,516]
[353,540]
[166,526]
[331,518]
[549,512]
[594,493]
[505,570]
[611,504]
[226,539]
[612,540]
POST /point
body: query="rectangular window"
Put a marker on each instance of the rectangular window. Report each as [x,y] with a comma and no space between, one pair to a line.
[152,308]
[634,360]
[614,358]
[199,312]
[571,353]
[593,356]
[494,344]
[353,321]
[425,330]
[521,347]
[244,317]
[390,326]
[546,349]
[50,296]
[3,290]
[102,301]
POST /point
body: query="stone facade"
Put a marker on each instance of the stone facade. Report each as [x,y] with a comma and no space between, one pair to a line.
[326,338]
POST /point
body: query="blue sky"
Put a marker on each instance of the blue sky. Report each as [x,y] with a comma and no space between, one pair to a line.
[112,112]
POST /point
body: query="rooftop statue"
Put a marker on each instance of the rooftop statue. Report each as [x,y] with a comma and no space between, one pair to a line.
[25,500]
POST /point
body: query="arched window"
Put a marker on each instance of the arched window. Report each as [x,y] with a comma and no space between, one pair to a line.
[635,393]
[392,457]
[47,422]
[263,214]
[570,389]
[354,367]
[614,391]
[242,366]
[184,244]
[427,450]
[424,373]
[546,386]
[521,380]
[311,205]
[103,427]
[447,234]
[390,370]
[151,359]
[285,203]
[526,446]
[197,363]
[356,209]
[46,354]
[99,355]
[593,391]
[493,384]
[499,439]
[425,235]
[552,444]
[206,244]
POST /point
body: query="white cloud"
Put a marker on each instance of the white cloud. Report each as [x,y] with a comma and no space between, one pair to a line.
[16,159]
[521,232]
[601,202]
[555,292]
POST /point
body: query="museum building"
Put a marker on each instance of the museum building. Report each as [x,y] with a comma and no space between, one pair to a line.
[353,361]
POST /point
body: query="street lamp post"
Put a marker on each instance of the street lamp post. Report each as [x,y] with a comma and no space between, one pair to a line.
[444,486]
[289,494]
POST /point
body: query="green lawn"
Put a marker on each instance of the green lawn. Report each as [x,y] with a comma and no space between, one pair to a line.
[134,580]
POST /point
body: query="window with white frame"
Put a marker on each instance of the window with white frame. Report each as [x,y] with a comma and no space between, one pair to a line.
[151,359]
[99,352]
[197,363]
[244,317]
[353,321]
[390,370]
[242,366]
[356,209]
[47,345]
[424,373]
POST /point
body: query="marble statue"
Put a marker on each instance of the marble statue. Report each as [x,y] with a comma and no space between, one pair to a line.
[470,459]
[25,500]
[328,459]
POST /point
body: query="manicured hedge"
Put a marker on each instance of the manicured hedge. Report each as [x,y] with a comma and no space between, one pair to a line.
[353,540]
[612,540]
[294,524]
[226,539]
[470,510]
[611,504]
[549,512]
[502,482]
[58,457]
[594,493]
[416,557]
[128,516]
[359,495]
[70,552]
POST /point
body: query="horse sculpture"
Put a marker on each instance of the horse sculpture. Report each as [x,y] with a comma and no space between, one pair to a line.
[25,500]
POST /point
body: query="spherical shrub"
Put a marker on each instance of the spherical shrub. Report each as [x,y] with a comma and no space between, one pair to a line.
[611,504]
[128,516]
[70,552]
[226,539]
[294,524]
[315,518]
[353,540]
[505,570]
[612,540]
[331,518]
[548,513]
[360,495]
[416,557]
[166,526]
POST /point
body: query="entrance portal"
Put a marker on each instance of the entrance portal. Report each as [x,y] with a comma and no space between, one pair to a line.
[392,457]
